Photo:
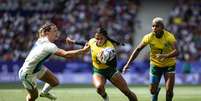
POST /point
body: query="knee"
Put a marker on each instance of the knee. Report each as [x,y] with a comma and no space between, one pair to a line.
[100,89]
[32,97]
[169,93]
[55,83]
[152,91]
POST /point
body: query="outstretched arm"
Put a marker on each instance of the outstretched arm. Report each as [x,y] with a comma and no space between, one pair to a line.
[133,56]
[72,53]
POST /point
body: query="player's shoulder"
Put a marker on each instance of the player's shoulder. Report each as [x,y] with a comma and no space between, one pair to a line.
[92,40]
[46,44]
[168,33]
[49,44]
[148,35]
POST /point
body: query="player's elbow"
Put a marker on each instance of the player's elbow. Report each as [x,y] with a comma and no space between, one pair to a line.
[176,53]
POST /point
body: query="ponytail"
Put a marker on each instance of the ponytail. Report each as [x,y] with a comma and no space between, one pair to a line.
[113,41]
[45,28]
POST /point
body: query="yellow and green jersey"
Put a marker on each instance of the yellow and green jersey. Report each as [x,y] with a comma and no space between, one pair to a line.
[95,50]
[161,45]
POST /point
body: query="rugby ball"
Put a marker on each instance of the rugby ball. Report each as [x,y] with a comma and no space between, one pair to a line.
[106,55]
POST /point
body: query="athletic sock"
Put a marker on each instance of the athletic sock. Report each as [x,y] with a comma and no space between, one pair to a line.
[155,96]
[46,88]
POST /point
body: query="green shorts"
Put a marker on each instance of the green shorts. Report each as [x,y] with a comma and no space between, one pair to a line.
[157,72]
[107,73]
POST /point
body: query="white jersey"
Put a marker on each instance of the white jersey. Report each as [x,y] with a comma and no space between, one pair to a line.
[41,50]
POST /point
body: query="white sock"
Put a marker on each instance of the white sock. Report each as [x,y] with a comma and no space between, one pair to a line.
[46,88]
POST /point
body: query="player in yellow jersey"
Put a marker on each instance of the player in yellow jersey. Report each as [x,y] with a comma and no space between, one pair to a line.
[162,58]
[107,71]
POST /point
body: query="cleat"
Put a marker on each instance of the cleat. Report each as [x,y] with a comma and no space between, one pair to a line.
[48,95]
[106,99]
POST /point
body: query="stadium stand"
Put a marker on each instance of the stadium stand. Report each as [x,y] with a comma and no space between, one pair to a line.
[20,19]
[185,22]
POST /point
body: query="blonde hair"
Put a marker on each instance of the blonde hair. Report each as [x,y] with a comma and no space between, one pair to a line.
[45,28]
[158,20]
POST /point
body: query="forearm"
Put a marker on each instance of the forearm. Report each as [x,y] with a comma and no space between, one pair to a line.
[82,43]
[174,53]
[133,56]
[74,53]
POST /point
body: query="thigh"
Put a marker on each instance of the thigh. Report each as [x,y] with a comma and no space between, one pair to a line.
[106,73]
[169,76]
[155,74]
[49,77]
[98,80]
[155,77]
[169,81]
[118,81]
[28,81]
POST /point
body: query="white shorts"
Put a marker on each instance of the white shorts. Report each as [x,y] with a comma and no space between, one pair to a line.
[29,80]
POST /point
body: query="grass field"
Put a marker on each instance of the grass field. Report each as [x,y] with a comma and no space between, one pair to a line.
[11,92]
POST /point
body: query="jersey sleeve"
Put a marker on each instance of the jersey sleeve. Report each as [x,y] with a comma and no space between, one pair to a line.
[171,38]
[51,48]
[91,41]
[146,39]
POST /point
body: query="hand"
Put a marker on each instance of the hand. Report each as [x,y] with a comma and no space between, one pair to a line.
[161,57]
[70,41]
[86,48]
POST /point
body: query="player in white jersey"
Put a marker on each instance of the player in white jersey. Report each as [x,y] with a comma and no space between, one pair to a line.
[33,69]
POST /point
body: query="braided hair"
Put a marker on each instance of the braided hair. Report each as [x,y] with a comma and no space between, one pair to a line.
[103,32]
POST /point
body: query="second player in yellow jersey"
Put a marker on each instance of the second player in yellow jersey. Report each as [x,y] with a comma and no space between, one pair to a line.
[163,54]
[161,45]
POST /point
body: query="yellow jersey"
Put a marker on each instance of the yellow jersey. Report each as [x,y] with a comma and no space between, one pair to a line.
[161,45]
[95,50]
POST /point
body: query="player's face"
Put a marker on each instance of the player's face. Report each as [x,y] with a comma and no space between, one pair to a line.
[156,28]
[100,39]
[53,34]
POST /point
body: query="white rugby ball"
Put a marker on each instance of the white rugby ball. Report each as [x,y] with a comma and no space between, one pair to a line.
[106,54]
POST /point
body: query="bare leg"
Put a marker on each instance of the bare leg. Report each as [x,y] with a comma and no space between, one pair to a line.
[99,83]
[32,94]
[50,78]
[169,84]
[118,81]
[154,90]
[51,81]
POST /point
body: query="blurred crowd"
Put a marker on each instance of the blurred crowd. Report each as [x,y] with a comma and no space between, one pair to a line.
[185,23]
[21,19]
